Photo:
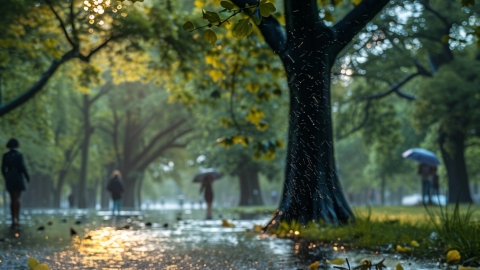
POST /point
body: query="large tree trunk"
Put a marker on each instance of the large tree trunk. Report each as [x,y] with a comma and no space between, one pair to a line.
[452,147]
[250,193]
[312,190]
[87,131]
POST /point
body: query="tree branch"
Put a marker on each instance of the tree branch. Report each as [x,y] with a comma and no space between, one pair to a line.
[105,89]
[444,20]
[161,149]
[359,126]
[61,23]
[395,89]
[36,87]
[72,21]
[159,136]
[355,21]
[272,31]
[94,51]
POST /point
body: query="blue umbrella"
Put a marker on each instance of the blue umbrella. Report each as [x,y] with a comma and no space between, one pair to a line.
[422,155]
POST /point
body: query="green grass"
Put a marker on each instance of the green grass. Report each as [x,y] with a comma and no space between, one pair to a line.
[385,228]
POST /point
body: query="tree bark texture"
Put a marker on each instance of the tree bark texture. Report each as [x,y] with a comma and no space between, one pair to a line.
[308,49]
[250,193]
[452,147]
[87,131]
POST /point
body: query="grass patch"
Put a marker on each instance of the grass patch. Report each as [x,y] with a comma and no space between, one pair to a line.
[423,232]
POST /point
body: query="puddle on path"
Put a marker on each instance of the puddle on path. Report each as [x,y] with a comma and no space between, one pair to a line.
[158,240]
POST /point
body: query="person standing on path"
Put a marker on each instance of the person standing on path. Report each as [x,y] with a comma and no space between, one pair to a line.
[14,171]
[424,170]
[208,195]
[115,186]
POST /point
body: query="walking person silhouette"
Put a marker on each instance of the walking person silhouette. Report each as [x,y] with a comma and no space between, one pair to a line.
[15,172]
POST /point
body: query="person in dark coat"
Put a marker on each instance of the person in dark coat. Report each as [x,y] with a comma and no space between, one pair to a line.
[208,195]
[424,170]
[15,172]
[115,186]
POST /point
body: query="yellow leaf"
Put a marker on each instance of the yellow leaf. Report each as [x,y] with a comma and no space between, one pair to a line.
[216,75]
[337,261]
[328,17]
[266,9]
[253,87]
[414,243]
[242,29]
[209,36]
[404,249]
[32,263]
[399,267]
[313,266]
[188,26]
[199,4]
[254,116]
[227,5]
[269,156]
[42,267]
[337,2]
[257,228]
[262,126]
[453,257]
[225,223]
[356,2]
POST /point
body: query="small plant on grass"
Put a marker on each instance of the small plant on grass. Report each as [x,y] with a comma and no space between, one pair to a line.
[457,230]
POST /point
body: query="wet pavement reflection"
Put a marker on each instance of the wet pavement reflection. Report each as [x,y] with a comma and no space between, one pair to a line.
[157,240]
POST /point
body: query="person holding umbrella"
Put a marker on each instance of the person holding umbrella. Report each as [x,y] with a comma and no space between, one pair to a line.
[427,160]
[208,195]
[206,178]
[424,172]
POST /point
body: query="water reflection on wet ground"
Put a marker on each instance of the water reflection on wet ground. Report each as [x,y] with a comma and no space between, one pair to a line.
[157,240]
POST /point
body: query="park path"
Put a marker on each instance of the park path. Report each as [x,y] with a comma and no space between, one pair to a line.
[154,240]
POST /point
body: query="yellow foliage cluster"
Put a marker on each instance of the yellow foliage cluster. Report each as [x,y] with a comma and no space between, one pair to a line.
[253,87]
[239,139]
[255,116]
[216,75]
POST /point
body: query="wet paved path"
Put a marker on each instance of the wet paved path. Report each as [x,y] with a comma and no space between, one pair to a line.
[170,242]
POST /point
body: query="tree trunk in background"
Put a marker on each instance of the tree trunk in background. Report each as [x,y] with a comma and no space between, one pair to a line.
[87,132]
[139,192]
[129,195]
[38,193]
[452,147]
[104,194]
[250,193]
[57,194]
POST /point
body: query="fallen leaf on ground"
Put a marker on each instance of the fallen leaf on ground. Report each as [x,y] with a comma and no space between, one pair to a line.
[453,257]
[404,249]
[399,267]
[414,243]
[337,261]
[257,228]
[225,223]
[313,266]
